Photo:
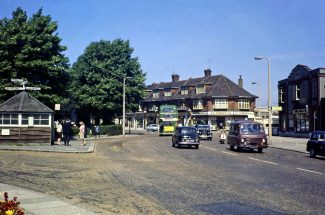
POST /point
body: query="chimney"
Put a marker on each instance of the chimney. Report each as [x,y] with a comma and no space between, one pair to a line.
[240,82]
[175,77]
[207,73]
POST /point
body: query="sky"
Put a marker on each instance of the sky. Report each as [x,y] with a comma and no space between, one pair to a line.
[185,37]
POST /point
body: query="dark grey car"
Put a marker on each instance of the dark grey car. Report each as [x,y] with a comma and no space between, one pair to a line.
[186,135]
[316,144]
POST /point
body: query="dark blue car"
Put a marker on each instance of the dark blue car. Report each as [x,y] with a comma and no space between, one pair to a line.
[186,136]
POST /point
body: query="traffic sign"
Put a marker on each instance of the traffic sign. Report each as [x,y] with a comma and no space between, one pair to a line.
[277,108]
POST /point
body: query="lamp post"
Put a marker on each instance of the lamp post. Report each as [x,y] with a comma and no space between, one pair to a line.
[259,97]
[268,94]
[123,127]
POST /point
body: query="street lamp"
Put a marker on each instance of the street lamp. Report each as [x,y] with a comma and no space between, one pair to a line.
[268,94]
[124,105]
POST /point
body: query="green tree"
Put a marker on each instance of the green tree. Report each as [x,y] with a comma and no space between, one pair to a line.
[30,50]
[98,80]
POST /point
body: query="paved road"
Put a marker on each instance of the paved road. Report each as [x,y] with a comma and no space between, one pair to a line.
[145,175]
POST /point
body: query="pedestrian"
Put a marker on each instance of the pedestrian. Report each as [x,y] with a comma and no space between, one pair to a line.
[67,132]
[82,130]
[97,131]
[59,132]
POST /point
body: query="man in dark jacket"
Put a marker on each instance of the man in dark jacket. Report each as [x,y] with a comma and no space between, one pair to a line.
[67,133]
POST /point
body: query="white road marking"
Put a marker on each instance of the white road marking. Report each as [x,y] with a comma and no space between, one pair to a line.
[263,161]
[229,153]
[306,170]
[210,148]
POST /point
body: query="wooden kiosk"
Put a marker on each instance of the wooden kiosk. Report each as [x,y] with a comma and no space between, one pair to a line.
[25,121]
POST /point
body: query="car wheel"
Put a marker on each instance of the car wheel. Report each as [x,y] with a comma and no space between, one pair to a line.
[260,150]
[312,153]
[232,148]
[197,146]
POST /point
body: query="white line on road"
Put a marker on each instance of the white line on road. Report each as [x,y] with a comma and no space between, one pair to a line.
[306,170]
[263,161]
[229,153]
[210,148]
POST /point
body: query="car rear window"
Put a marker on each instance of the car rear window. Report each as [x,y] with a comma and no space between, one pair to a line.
[187,130]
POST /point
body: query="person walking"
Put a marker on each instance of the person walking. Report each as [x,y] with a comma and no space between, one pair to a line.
[82,130]
[97,131]
[59,132]
[67,133]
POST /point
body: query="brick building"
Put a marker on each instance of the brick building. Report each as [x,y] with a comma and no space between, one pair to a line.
[213,100]
[302,98]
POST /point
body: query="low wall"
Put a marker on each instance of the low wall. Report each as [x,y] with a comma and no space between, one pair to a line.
[293,134]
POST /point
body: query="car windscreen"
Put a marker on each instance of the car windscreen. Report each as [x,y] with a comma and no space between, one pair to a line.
[187,130]
[203,127]
[251,129]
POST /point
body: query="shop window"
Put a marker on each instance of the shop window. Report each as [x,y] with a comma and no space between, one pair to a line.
[243,104]
[197,104]
[220,104]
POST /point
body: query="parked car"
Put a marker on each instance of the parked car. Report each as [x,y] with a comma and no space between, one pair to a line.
[247,134]
[186,135]
[316,144]
[204,132]
[152,127]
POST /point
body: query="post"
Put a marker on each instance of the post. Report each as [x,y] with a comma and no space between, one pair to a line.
[123,121]
[269,94]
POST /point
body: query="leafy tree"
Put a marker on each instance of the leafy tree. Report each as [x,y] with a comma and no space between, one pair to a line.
[30,50]
[98,80]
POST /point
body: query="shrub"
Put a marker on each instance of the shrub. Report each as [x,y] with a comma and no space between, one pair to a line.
[110,130]
[10,207]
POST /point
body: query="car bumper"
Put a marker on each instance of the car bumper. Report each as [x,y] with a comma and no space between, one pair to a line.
[188,143]
[252,145]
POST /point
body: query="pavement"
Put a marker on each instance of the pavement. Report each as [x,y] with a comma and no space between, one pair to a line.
[35,203]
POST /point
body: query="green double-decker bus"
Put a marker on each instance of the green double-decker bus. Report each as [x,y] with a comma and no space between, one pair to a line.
[168,118]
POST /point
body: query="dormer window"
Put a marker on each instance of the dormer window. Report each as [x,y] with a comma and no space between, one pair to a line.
[155,94]
[168,92]
[200,89]
[184,90]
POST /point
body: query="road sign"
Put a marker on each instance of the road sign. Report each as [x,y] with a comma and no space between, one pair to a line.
[32,88]
[14,88]
[17,80]
[277,108]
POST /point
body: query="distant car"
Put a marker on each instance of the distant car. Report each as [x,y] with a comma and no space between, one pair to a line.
[186,135]
[316,144]
[152,127]
[204,132]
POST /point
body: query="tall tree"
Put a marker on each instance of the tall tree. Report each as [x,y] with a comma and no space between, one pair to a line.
[30,50]
[98,79]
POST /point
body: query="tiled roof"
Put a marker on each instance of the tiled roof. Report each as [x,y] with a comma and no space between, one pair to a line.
[219,86]
[23,102]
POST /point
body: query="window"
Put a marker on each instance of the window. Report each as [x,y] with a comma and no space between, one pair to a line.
[184,90]
[41,119]
[297,92]
[220,104]
[9,119]
[168,93]
[197,104]
[243,104]
[155,94]
[282,96]
[181,106]
[200,89]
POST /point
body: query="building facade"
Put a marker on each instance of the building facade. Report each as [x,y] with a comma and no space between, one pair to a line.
[213,100]
[302,98]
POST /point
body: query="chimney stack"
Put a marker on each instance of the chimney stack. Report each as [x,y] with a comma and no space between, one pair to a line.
[240,82]
[207,73]
[175,77]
